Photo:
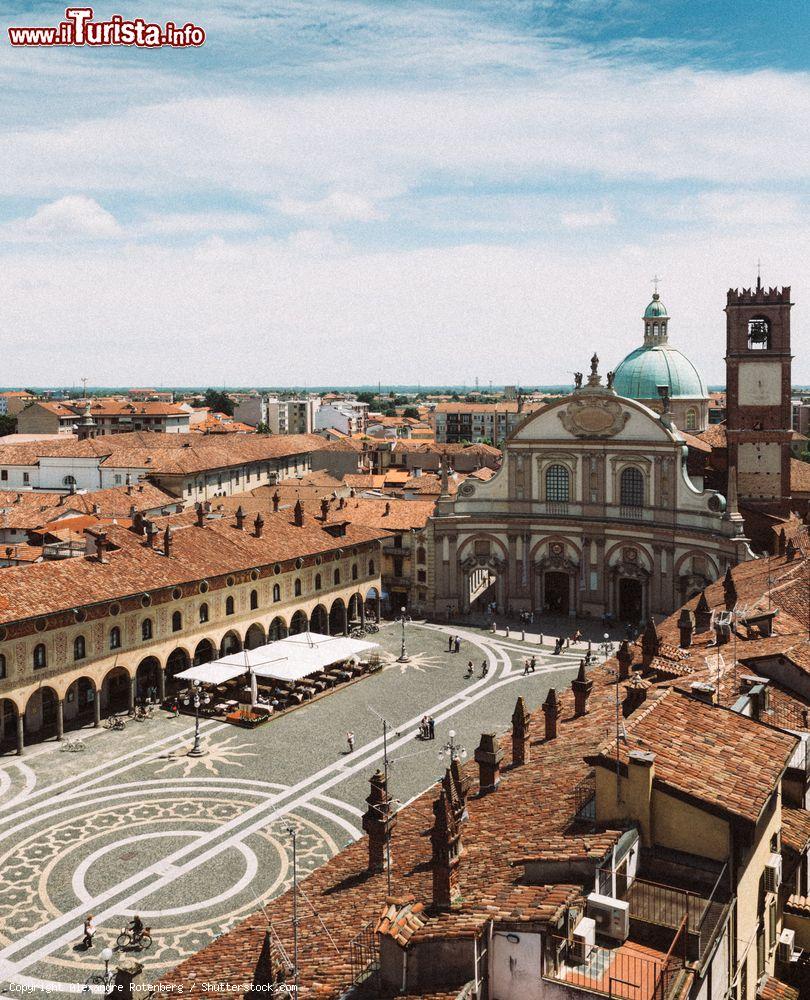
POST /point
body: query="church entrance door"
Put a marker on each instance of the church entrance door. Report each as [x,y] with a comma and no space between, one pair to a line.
[630,600]
[557,593]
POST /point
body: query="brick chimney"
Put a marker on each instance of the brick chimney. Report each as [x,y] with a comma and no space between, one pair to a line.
[342,503]
[445,840]
[298,514]
[686,626]
[488,757]
[167,541]
[198,507]
[703,614]
[378,822]
[704,692]
[132,510]
[790,550]
[729,590]
[240,518]
[276,500]
[258,525]
[552,709]
[101,546]
[635,694]
[650,643]
[129,483]
[151,531]
[780,543]
[460,788]
[387,510]
[638,791]
[520,733]
[324,509]
[138,523]
[625,659]
[582,688]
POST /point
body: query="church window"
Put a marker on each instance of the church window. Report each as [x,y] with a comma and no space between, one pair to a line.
[691,419]
[759,334]
[632,488]
[557,483]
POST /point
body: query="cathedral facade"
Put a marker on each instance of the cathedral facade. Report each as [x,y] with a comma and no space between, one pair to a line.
[593,513]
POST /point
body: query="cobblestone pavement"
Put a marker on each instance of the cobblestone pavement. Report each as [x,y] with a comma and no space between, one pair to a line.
[133,825]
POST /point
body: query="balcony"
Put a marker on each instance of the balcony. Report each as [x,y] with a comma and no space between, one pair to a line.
[557,507]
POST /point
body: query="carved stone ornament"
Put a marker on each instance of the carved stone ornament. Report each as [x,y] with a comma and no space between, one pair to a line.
[466,489]
[630,555]
[593,418]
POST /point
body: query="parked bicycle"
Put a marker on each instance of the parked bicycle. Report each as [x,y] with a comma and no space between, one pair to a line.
[126,939]
[371,628]
[142,713]
[72,746]
[115,722]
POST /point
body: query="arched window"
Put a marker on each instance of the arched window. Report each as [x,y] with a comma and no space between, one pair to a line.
[655,330]
[354,571]
[557,483]
[40,657]
[276,593]
[297,590]
[79,648]
[421,554]
[371,567]
[759,334]
[229,605]
[146,629]
[691,419]
[336,577]
[2,666]
[318,581]
[632,488]
[254,600]
[115,637]
[203,613]
[177,621]
[69,480]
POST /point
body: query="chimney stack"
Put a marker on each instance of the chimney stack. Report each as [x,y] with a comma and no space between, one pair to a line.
[520,733]
[650,643]
[790,550]
[582,688]
[151,531]
[324,509]
[686,626]
[460,788]
[276,500]
[552,709]
[298,514]
[167,541]
[200,511]
[101,545]
[703,614]
[387,508]
[240,518]
[729,590]
[625,659]
[445,840]
[258,525]
[378,822]
[129,483]
[488,756]
[781,543]
[635,694]
[704,691]
[138,523]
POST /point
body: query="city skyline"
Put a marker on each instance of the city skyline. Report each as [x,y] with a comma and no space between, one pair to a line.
[472,187]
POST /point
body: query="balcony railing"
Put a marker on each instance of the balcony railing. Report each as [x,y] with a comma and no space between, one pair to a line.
[611,972]
[557,507]
[631,513]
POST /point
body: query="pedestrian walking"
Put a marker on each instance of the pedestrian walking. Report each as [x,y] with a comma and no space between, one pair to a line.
[507,631]
[449,644]
[458,644]
[523,635]
[350,742]
[431,728]
[485,668]
[525,666]
[423,728]
[533,663]
[89,931]
[469,669]
[493,628]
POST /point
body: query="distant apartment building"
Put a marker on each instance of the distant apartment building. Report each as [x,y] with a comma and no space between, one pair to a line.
[13,401]
[474,422]
[110,416]
[347,416]
[151,395]
[800,415]
[281,416]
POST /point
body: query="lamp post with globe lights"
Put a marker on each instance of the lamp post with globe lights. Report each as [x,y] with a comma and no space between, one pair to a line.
[403,618]
[197,698]
[452,750]
[107,957]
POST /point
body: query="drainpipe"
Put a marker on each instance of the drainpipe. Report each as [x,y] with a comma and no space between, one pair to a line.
[404,970]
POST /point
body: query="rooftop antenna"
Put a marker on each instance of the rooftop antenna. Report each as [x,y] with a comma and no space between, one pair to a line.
[293,833]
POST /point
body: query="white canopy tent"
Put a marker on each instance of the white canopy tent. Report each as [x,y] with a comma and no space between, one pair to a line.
[288,659]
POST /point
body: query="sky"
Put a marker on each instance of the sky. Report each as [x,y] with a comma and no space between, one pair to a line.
[336,193]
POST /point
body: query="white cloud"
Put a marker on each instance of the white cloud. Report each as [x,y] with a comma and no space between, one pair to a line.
[336,207]
[74,217]
[195,223]
[588,218]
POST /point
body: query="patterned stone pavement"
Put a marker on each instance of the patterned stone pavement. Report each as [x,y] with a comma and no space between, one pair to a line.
[133,825]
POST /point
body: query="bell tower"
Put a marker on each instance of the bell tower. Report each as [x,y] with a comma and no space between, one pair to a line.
[758,415]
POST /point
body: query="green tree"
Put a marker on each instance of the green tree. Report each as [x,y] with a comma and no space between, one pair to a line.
[366,397]
[411,411]
[263,429]
[8,425]
[218,401]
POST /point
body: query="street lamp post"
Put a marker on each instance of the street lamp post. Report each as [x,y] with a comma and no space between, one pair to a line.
[107,957]
[606,649]
[198,698]
[403,618]
[452,750]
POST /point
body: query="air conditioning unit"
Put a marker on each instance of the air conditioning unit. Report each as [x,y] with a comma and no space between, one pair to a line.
[773,873]
[611,916]
[584,939]
[784,951]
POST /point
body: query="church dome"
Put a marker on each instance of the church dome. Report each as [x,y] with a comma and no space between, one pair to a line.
[656,308]
[644,369]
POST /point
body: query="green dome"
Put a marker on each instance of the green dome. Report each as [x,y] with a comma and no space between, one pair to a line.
[644,369]
[655,309]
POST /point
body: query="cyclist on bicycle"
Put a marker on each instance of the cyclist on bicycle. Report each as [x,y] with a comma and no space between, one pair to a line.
[136,926]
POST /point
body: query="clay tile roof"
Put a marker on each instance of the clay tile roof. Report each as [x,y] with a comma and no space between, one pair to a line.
[775,989]
[799,476]
[800,905]
[795,828]
[714,436]
[707,753]
[401,922]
